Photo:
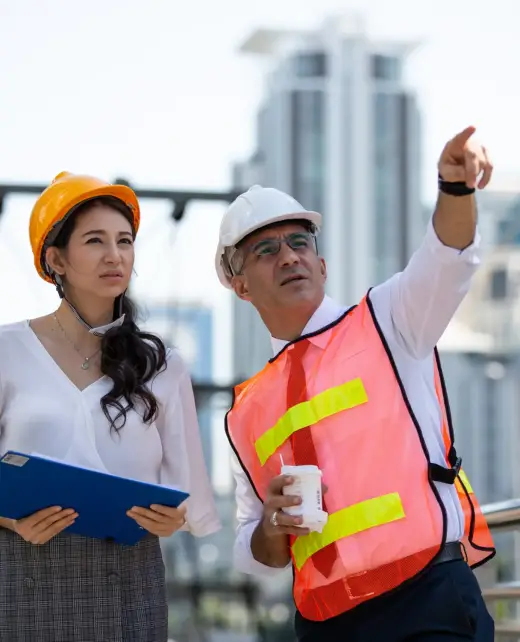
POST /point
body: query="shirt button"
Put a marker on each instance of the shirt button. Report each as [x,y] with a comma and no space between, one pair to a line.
[113,578]
[28,582]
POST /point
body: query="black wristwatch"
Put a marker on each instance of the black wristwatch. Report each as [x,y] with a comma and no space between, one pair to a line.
[458,188]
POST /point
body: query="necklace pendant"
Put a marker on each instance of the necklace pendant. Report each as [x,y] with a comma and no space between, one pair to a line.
[85,365]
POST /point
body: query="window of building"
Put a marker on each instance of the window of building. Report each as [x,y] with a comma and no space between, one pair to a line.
[491,463]
[385,67]
[308,147]
[310,65]
[498,284]
[386,150]
[509,226]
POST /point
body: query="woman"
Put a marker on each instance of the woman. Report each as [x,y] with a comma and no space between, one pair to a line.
[85,385]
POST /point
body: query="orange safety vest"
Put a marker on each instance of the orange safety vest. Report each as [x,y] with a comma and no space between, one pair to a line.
[386,517]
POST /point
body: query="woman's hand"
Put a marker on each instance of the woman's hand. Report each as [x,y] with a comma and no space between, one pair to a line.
[43,525]
[159,520]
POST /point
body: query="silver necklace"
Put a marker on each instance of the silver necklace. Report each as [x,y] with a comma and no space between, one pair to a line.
[86,360]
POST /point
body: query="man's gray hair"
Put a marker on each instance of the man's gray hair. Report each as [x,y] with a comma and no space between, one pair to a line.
[232,261]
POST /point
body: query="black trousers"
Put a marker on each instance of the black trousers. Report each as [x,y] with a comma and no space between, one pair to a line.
[444,604]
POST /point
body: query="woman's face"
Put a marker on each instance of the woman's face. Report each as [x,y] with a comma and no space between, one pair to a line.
[99,256]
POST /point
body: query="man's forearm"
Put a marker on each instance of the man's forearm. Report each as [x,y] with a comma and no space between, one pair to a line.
[270,550]
[455,220]
[7,523]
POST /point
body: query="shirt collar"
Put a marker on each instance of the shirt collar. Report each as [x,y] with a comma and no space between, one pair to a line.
[328,312]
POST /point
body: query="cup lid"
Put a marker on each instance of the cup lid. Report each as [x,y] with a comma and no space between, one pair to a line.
[301,470]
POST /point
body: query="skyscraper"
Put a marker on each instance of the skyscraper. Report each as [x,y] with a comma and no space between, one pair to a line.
[340,131]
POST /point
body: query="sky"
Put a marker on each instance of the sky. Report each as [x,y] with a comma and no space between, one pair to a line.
[157,92]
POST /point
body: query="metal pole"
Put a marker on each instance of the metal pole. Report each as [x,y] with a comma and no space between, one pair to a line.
[179,198]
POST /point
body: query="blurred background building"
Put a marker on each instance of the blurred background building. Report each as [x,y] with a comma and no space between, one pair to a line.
[315,104]
[340,130]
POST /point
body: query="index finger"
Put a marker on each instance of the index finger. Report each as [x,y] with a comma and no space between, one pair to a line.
[462,137]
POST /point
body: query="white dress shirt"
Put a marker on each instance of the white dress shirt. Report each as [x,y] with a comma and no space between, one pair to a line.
[42,411]
[413,309]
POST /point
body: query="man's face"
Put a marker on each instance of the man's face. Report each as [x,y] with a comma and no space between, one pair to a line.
[280,269]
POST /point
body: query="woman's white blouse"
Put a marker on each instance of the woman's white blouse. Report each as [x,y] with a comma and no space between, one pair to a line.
[42,411]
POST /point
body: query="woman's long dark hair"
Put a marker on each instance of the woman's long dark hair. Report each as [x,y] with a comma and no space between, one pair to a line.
[130,357]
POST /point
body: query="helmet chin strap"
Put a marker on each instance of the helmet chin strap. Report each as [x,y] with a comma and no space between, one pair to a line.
[99,331]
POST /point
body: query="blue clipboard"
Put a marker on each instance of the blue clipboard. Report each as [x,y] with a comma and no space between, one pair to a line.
[29,483]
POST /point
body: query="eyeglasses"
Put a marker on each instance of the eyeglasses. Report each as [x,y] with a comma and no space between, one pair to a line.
[297,241]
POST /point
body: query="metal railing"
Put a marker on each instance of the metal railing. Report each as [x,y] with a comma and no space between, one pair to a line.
[502,598]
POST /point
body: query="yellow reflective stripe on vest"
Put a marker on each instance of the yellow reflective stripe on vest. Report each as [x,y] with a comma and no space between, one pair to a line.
[326,403]
[465,481]
[348,521]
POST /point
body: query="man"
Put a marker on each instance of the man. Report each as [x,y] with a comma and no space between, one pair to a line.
[359,393]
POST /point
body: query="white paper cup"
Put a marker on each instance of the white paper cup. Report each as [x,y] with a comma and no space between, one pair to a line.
[307,485]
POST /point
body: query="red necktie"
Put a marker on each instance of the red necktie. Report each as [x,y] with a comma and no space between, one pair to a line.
[302,442]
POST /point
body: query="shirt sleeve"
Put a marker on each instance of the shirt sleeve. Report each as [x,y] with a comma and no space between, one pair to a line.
[249,515]
[183,463]
[423,298]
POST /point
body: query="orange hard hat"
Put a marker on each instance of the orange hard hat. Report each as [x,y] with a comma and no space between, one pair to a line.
[56,202]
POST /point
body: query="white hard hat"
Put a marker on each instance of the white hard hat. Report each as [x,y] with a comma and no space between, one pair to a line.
[252,210]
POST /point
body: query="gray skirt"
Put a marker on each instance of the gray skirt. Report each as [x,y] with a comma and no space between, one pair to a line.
[75,589]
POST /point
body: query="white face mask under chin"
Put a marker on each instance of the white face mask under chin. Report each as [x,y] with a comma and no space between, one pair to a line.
[102,329]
